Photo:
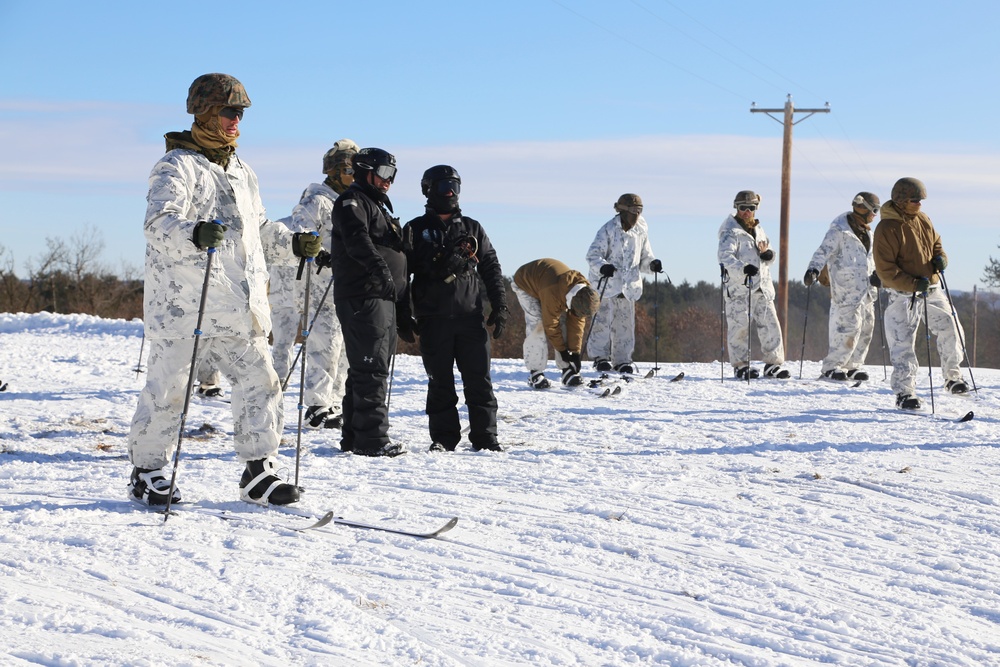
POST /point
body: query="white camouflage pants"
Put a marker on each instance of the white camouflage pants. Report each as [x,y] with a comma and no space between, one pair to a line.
[612,334]
[851,329]
[536,343]
[256,394]
[903,316]
[768,329]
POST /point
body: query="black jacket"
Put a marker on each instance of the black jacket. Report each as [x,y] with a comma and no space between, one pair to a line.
[365,242]
[434,255]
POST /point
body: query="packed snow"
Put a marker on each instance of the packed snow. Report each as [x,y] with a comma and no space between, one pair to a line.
[702,522]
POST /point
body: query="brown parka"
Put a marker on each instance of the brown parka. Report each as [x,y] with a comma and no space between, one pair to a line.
[904,247]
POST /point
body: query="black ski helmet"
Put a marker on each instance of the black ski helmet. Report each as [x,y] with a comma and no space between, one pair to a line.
[441,185]
[441,172]
[375,160]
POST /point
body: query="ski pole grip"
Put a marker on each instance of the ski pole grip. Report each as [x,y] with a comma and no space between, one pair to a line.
[312,259]
[211,249]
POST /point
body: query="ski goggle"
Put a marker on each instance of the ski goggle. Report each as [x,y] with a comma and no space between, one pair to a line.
[448,185]
[634,210]
[863,203]
[386,172]
[747,207]
[232,113]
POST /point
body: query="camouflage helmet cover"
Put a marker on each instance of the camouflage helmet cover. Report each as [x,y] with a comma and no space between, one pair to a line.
[867,200]
[745,197]
[626,200]
[216,90]
[908,188]
[585,302]
[340,154]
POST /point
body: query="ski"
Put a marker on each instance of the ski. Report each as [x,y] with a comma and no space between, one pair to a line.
[351,523]
[967,417]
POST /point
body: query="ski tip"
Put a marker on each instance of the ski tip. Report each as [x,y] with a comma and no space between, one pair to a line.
[678,377]
[967,417]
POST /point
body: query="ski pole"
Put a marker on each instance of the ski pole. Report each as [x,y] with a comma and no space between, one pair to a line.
[142,346]
[307,262]
[656,323]
[749,283]
[805,325]
[958,330]
[190,383]
[930,368]
[724,278]
[881,325]
[319,307]
[392,374]
[602,285]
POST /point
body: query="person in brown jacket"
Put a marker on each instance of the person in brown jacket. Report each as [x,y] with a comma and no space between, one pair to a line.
[557,302]
[908,257]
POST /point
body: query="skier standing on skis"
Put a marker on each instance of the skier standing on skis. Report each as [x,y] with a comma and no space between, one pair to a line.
[619,253]
[452,260]
[746,256]
[201,179]
[326,363]
[557,302]
[369,278]
[847,252]
[908,256]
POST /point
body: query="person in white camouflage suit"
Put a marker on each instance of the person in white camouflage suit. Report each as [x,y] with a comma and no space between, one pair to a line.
[846,251]
[619,253]
[326,365]
[908,257]
[198,181]
[746,256]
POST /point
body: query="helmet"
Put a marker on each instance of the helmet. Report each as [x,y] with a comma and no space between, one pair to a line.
[627,200]
[341,153]
[376,160]
[216,90]
[585,302]
[745,197]
[867,200]
[908,188]
[441,172]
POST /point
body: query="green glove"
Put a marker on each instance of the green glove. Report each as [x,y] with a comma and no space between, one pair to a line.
[306,244]
[939,262]
[921,285]
[209,234]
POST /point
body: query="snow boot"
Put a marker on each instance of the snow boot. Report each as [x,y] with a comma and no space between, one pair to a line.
[151,486]
[321,417]
[539,381]
[260,484]
[602,366]
[907,402]
[857,374]
[438,447]
[743,371]
[389,449]
[836,374]
[571,378]
[210,390]
[957,386]
[776,371]
[626,368]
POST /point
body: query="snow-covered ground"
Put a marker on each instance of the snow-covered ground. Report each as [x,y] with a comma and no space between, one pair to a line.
[693,523]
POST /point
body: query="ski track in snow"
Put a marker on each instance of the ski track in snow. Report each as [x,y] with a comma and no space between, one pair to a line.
[703,522]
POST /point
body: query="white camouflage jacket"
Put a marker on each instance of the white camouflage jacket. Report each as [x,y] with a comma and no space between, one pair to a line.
[737,248]
[185,188]
[628,252]
[282,291]
[849,263]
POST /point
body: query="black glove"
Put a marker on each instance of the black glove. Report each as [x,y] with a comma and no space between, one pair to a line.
[306,244]
[380,284]
[939,262]
[810,277]
[209,234]
[767,255]
[407,328]
[498,320]
[874,280]
[750,270]
[608,270]
[656,266]
[921,285]
[574,359]
[324,260]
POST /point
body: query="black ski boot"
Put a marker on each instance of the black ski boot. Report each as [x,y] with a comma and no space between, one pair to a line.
[836,374]
[957,386]
[602,366]
[907,402]
[318,416]
[743,371]
[539,381]
[777,372]
[857,374]
[151,487]
[260,484]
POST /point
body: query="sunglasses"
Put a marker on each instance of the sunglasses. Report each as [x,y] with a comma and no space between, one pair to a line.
[747,207]
[232,113]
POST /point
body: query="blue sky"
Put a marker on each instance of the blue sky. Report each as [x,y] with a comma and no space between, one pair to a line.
[550,109]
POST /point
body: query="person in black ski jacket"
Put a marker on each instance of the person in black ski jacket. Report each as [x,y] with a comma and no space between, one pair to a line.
[369,278]
[448,253]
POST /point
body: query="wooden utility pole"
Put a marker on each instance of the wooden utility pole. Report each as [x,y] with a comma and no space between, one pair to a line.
[786,181]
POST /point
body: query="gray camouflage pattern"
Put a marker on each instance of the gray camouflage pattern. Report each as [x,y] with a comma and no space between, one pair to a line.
[903,316]
[852,297]
[629,252]
[612,333]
